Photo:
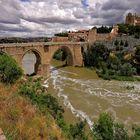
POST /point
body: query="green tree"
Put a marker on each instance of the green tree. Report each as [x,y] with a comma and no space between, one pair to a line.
[116,42]
[137,54]
[123,28]
[121,43]
[136,133]
[120,133]
[77,131]
[103,129]
[63,34]
[9,70]
[127,70]
[106,129]
[126,44]
[137,36]
[95,55]
[104,29]
[137,59]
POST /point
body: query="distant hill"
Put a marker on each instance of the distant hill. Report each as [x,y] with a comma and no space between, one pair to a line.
[23,40]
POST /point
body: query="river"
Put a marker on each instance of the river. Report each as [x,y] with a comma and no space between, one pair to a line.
[85,96]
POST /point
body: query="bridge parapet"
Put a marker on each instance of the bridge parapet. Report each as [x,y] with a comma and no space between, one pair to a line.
[40,43]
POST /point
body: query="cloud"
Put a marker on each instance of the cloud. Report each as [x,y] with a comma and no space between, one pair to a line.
[9,12]
[46,17]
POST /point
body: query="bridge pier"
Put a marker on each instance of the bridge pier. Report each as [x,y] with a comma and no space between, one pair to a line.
[42,70]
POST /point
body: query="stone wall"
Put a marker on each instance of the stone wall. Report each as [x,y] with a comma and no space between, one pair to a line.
[93,36]
[44,52]
[78,36]
[60,39]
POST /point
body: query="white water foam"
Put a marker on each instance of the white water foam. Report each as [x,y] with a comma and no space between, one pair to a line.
[57,79]
[122,97]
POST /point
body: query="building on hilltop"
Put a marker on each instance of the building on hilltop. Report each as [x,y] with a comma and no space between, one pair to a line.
[88,36]
[132,19]
[92,35]
[81,35]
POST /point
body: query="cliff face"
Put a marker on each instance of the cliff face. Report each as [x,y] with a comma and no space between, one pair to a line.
[19,119]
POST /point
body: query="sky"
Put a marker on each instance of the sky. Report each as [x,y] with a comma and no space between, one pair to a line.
[32,18]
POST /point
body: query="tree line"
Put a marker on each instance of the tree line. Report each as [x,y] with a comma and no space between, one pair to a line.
[129,30]
[112,64]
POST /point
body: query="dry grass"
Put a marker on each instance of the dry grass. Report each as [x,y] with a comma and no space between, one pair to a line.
[20,120]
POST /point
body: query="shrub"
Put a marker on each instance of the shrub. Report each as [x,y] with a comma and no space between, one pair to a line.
[121,43]
[95,55]
[137,59]
[120,133]
[103,129]
[45,102]
[63,34]
[137,36]
[136,132]
[48,104]
[106,129]
[126,44]
[77,131]
[127,70]
[116,43]
[9,70]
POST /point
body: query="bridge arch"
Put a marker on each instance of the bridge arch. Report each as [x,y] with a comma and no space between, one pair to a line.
[37,62]
[44,52]
[68,52]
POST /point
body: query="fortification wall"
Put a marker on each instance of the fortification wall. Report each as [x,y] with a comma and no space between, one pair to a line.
[94,36]
[60,39]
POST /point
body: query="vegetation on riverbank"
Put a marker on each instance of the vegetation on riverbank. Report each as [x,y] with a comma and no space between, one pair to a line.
[107,129]
[9,70]
[60,55]
[47,104]
[28,112]
[113,64]
[20,119]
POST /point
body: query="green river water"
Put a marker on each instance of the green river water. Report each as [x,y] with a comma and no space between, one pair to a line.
[85,96]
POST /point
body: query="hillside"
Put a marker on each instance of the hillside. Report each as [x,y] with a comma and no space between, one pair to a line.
[19,119]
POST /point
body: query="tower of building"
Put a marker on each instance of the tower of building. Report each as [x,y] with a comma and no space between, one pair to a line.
[132,19]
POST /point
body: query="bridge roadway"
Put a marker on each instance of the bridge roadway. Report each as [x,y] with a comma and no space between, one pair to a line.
[3,45]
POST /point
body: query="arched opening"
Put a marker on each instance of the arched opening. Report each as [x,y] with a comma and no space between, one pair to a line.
[31,63]
[62,57]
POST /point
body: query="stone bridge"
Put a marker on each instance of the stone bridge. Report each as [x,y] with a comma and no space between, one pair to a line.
[44,52]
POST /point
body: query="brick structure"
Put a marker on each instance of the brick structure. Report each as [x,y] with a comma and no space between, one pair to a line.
[59,39]
[92,36]
[132,19]
[81,35]
[44,52]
